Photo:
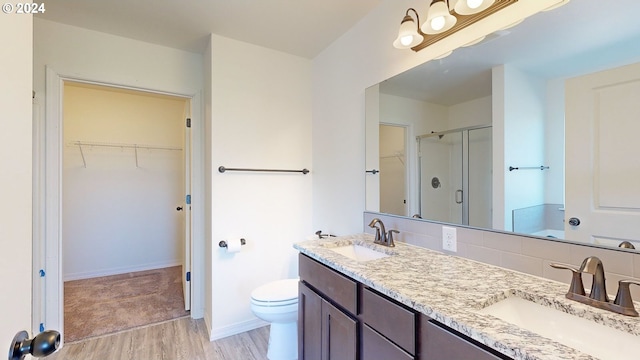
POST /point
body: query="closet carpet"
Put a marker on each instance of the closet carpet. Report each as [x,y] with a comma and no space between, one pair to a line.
[109,304]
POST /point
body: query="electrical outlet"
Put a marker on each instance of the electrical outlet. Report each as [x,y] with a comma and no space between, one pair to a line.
[449,239]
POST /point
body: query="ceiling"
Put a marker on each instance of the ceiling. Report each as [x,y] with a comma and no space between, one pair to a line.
[576,38]
[299,27]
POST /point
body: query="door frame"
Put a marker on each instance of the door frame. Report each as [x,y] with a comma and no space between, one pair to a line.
[47,203]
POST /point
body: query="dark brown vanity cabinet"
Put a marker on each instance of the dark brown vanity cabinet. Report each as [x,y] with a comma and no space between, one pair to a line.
[388,328]
[441,343]
[327,303]
[341,319]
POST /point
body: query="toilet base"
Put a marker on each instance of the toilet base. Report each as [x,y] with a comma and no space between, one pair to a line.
[283,341]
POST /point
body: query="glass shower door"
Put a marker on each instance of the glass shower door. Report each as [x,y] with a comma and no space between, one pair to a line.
[441,192]
[455,169]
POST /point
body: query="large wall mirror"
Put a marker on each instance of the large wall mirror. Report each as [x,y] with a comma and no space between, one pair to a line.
[532,130]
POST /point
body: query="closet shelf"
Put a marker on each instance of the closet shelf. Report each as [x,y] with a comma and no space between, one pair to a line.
[135,147]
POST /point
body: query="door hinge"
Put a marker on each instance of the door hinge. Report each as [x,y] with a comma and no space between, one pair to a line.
[188,200]
[188,275]
[188,122]
[41,327]
[42,273]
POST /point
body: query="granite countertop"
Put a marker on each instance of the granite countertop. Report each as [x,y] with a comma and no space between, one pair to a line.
[451,289]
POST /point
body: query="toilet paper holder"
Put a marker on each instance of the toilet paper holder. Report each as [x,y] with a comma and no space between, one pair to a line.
[223,244]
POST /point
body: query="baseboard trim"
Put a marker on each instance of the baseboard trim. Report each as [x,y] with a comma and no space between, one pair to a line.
[118,271]
[237,328]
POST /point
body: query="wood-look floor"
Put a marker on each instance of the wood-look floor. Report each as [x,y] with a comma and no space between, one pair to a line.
[181,339]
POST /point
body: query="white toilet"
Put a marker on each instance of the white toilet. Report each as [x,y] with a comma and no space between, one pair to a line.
[277,302]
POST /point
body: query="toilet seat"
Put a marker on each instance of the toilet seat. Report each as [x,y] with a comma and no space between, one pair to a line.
[276,293]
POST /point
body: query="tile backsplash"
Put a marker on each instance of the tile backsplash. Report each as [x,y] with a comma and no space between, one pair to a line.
[520,253]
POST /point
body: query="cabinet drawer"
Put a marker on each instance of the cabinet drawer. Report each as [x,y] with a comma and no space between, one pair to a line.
[377,347]
[340,289]
[392,320]
[440,344]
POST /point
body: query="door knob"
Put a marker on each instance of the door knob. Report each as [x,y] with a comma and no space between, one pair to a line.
[574,221]
[179,208]
[42,345]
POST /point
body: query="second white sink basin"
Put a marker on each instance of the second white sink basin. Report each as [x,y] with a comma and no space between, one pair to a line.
[581,334]
[358,252]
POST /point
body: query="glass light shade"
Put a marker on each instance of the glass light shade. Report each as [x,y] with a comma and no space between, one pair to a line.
[438,19]
[408,35]
[470,7]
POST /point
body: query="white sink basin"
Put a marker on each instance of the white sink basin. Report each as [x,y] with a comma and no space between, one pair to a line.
[581,334]
[358,252]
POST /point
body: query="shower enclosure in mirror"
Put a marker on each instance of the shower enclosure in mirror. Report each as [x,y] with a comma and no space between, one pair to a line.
[455,176]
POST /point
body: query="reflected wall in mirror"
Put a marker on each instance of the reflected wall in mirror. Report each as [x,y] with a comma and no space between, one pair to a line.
[514,86]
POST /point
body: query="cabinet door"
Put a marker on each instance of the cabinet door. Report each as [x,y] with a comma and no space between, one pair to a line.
[309,324]
[377,347]
[339,334]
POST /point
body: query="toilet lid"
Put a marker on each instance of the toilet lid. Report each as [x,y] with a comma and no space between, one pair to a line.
[277,291]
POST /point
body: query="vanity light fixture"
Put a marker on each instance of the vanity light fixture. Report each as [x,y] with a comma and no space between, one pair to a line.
[444,17]
[409,35]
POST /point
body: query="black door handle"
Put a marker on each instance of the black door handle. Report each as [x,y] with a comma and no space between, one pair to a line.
[179,208]
[574,221]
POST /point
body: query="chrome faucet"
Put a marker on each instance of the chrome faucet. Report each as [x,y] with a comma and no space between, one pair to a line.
[623,304]
[382,237]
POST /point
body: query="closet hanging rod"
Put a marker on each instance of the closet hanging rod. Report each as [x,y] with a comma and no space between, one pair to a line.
[128,146]
[223,169]
[541,167]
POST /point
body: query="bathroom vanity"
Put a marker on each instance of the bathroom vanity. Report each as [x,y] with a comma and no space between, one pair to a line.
[340,317]
[406,302]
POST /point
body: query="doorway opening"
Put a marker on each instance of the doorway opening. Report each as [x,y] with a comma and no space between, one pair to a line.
[393,169]
[123,222]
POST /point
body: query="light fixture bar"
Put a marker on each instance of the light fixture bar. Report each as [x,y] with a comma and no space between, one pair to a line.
[463,22]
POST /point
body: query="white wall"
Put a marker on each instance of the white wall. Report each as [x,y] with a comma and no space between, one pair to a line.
[470,113]
[523,139]
[15,178]
[554,142]
[121,213]
[260,118]
[363,57]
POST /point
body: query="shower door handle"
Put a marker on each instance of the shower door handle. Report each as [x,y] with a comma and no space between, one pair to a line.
[458,196]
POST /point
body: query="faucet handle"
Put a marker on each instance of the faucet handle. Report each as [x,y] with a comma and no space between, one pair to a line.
[390,242]
[576,286]
[623,297]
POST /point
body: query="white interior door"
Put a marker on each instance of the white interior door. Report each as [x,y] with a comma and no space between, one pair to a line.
[186,267]
[602,162]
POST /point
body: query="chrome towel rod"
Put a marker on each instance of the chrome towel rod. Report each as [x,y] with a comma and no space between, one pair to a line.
[223,169]
[541,167]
